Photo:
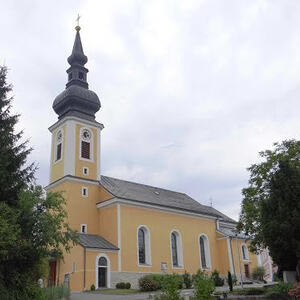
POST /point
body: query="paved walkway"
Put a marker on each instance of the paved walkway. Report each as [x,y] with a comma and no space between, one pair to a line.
[140,296]
[96,296]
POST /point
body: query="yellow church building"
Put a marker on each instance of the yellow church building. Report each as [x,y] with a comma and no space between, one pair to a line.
[127,229]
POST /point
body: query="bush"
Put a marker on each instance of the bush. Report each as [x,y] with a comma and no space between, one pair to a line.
[218,281]
[121,285]
[187,280]
[170,284]
[279,291]
[127,285]
[294,292]
[148,284]
[56,292]
[258,273]
[93,288]
[203,285]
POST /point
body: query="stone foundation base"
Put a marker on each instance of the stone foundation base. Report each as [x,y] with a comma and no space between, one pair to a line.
[131,277]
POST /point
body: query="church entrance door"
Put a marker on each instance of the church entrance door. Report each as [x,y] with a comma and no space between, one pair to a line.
[247,273]
[102,272]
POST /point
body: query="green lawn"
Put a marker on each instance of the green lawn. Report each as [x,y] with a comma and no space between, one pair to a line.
[115,291]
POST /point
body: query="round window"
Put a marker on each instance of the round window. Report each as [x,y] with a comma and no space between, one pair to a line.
[86,135]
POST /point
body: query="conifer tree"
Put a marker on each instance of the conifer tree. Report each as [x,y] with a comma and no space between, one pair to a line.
[33,226]
[14,174]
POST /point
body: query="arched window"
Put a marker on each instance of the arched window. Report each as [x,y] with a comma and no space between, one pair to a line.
[176,250]
[143,236]
[58,146]
[86,144]
[245,253]
[204,252]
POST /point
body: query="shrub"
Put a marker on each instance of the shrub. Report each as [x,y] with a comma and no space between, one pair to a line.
[203,285]
[187,280]
[294,292]
[127,285]
[170,284]
[56,292]
[148,284]
[279,291]
[258,273]
[230,283]
[93,288]
[218,281]
[121,285]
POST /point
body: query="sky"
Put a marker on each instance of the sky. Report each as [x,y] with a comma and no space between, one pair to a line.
[191,90]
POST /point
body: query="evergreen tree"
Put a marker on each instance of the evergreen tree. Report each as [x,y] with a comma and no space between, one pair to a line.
[33,225]
[14,174]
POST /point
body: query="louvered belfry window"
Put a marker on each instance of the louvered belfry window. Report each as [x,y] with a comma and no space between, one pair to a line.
[85,150]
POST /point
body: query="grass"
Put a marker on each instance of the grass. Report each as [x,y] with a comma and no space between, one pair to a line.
[115,291]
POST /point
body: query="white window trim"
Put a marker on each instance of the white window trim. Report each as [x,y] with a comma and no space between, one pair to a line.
[179,250]
[81,225]
[88,171]
[207,251]
[91,144]
[87,191]
[55,161]
[147,246]
[246,253]
[108,269]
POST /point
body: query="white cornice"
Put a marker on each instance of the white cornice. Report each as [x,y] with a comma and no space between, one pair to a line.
[78,120]
[70,178]
[116,200]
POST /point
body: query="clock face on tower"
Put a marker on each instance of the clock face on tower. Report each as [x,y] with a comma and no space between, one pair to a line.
[86,135]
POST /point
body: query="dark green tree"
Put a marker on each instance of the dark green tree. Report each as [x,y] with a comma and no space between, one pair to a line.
[271,205]
[33,226]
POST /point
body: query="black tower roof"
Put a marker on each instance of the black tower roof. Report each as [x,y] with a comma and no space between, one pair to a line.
[77,100]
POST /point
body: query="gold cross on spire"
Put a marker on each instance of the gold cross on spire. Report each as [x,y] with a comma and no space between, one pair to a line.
[77,20]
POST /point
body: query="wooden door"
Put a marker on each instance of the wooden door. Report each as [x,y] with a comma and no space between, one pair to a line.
[247,272]
[52,273]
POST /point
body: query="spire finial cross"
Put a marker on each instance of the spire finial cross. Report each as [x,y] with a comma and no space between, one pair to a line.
[77,20]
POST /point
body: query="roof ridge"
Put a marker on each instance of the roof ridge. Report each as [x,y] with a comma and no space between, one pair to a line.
[147,185]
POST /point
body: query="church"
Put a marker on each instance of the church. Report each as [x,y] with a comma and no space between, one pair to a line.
[127,229]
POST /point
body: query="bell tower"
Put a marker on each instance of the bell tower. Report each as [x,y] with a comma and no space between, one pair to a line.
[76,136]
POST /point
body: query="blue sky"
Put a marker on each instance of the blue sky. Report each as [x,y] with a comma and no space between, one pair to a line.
[191,91]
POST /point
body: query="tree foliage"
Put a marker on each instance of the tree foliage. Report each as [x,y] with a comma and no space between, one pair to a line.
[271,207]
[33,226]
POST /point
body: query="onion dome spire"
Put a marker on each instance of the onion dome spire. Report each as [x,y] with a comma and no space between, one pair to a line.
[77,99]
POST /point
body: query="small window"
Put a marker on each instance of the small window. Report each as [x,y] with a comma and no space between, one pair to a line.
[58,147]
[83,228]
[84,192]
[73,267]
[85,171]
[81,75]
[85,150]
[58,152]
[245,253]
[70,76]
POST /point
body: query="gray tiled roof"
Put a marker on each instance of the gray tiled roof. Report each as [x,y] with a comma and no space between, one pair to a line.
[231,231]
[95,241]
[157,196]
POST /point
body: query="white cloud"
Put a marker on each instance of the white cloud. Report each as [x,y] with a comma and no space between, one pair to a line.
[190,90]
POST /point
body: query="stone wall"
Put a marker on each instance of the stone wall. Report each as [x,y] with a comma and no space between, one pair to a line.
[131,277]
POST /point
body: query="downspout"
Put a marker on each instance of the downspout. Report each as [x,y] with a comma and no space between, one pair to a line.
[84,267]
[231,253]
